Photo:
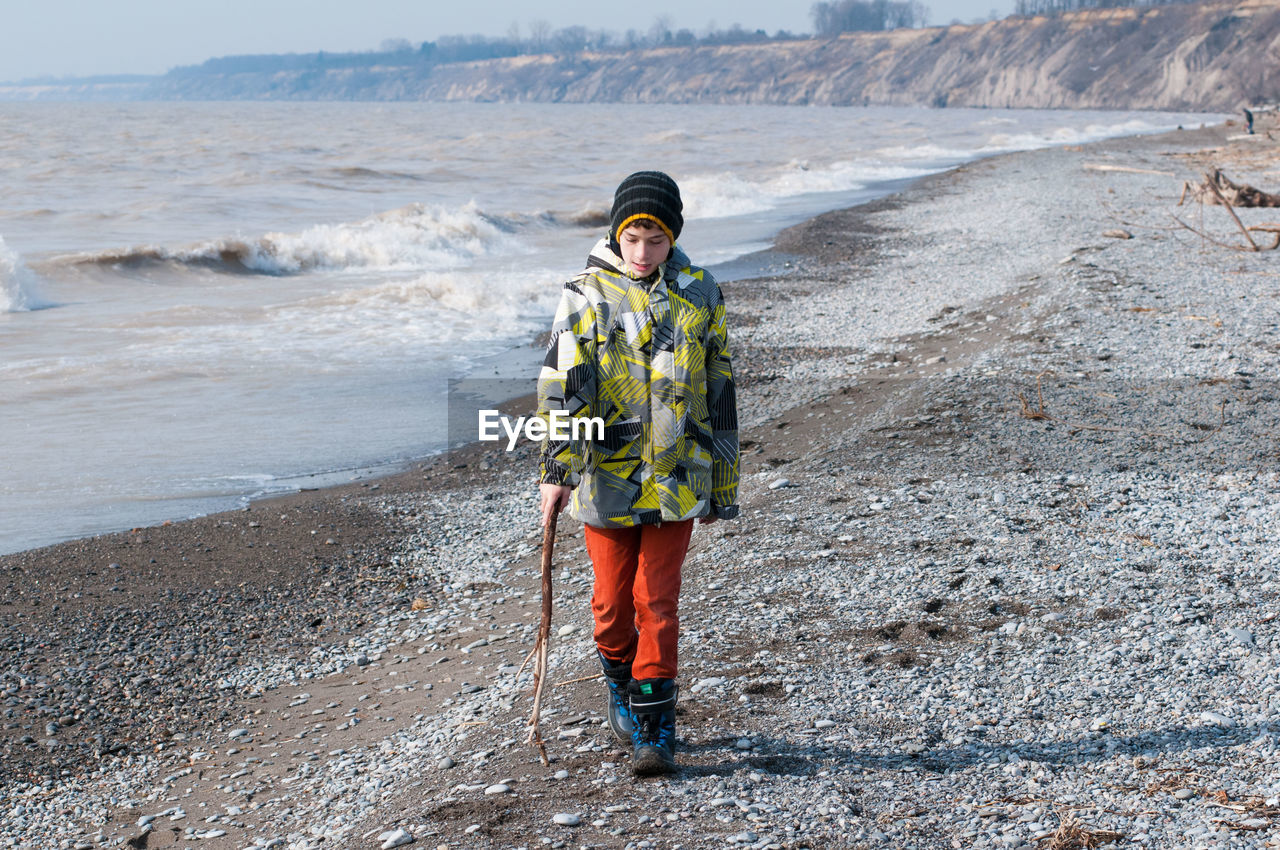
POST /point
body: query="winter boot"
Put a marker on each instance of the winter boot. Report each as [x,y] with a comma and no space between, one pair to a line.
[653,712]
[618,676]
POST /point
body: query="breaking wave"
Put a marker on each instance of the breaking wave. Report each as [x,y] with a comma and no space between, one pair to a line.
[408,238]
[18,292]
[589,216]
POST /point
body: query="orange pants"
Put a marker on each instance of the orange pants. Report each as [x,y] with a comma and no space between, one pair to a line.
[636,594]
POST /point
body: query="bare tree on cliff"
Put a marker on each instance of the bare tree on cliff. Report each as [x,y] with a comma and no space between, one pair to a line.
[660,32]
[539,35]
[833,18]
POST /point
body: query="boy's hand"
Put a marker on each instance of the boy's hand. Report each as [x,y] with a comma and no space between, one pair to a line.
[554,498]
[708,519]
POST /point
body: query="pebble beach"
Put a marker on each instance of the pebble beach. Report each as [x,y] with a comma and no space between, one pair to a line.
[1006,575]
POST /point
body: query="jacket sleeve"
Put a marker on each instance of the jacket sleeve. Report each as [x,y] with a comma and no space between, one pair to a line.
[567,383]
[722,405]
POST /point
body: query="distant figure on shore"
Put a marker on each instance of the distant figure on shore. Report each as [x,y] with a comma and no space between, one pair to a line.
[639,339]
[1248,121]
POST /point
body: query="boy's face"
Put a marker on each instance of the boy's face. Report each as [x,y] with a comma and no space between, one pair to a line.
[644,248]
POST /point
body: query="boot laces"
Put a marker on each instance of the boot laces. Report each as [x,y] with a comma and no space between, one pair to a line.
[650,728]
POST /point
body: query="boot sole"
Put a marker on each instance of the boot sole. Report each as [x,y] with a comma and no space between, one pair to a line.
[652,761]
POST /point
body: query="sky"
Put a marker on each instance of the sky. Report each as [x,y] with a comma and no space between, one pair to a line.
[66,38]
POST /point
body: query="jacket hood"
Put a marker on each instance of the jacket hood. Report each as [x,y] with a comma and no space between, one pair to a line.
[604,257]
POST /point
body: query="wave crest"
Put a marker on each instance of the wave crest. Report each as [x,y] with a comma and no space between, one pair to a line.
[589,216]
[412,237]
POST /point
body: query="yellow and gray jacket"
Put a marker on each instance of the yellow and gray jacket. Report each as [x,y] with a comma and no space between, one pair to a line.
[650,358]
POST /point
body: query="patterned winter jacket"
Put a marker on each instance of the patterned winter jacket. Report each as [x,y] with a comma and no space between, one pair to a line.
[650,358]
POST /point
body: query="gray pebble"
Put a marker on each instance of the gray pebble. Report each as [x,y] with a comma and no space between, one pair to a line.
[1214,718]
[1240,636]
[395,838]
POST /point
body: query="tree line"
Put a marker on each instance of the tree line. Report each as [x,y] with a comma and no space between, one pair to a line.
[829,18]
[539,38]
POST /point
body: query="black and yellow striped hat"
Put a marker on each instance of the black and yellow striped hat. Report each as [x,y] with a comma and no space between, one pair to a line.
[647,194]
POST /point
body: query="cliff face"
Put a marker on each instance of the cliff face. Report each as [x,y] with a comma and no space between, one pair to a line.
[1214,56]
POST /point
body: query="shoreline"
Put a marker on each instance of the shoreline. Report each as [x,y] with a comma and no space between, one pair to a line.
[800,643]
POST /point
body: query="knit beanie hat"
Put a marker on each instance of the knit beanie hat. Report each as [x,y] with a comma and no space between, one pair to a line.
[646,194]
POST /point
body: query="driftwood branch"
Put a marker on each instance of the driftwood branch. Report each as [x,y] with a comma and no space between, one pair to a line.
[1207,237]
[1125,169]
[1217,188]
[1217,193]
[1273,229]
[1039,412]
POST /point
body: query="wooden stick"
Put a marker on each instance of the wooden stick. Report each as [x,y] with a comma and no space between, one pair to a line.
[526,661]
[1206,236]
[1273,229]
[544,640]
[1027,412]
[1212,182]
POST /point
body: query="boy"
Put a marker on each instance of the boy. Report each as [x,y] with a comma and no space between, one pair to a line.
[639,340]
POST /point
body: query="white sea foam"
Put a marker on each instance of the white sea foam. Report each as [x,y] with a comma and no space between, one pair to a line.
[412,237]
[724,194]
[931,153]
[18,291]
[435,308]
[1065,135]
[727,194]
[364,321]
